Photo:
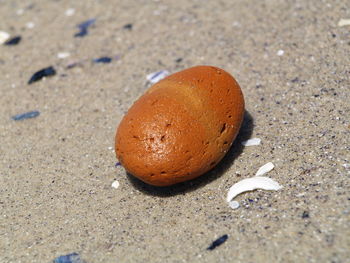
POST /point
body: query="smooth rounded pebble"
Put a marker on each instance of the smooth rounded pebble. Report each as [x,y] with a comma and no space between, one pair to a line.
[181,127]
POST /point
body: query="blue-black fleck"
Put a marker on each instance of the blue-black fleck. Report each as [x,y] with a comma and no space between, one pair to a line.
[305,214]
[128,26]
[218,242]
[102,60]
[13,41]
[27,115]
[70,258]
[46,72]
[84,26]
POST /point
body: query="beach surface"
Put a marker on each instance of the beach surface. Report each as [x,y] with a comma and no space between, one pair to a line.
[292,61]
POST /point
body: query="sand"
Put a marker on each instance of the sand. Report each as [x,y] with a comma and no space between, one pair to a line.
[291,59]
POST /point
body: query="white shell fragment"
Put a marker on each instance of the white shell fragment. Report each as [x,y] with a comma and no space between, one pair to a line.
[4,36]
[157,76]
[344,22]
[115,184]
[250,184]
[265,169]
[63,55]
[251,142]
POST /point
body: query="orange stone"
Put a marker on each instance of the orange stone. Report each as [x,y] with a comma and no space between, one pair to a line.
[181,127]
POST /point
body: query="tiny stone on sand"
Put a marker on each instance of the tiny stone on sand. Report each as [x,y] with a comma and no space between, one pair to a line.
[69,12]
[30,25]
[63,55]
[233,204]
[280,52]
[115,184]
[4,36]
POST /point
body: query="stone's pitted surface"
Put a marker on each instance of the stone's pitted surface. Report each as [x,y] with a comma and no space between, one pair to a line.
[181,127]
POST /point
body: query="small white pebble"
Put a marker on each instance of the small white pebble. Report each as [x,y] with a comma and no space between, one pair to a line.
[63,55]
[30,25]
[115,184]
[251,142]
[70,12]
[346,165]
[233,204]
[344,22]
[110,148]
[265,169]
[280,52]
[4,36]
